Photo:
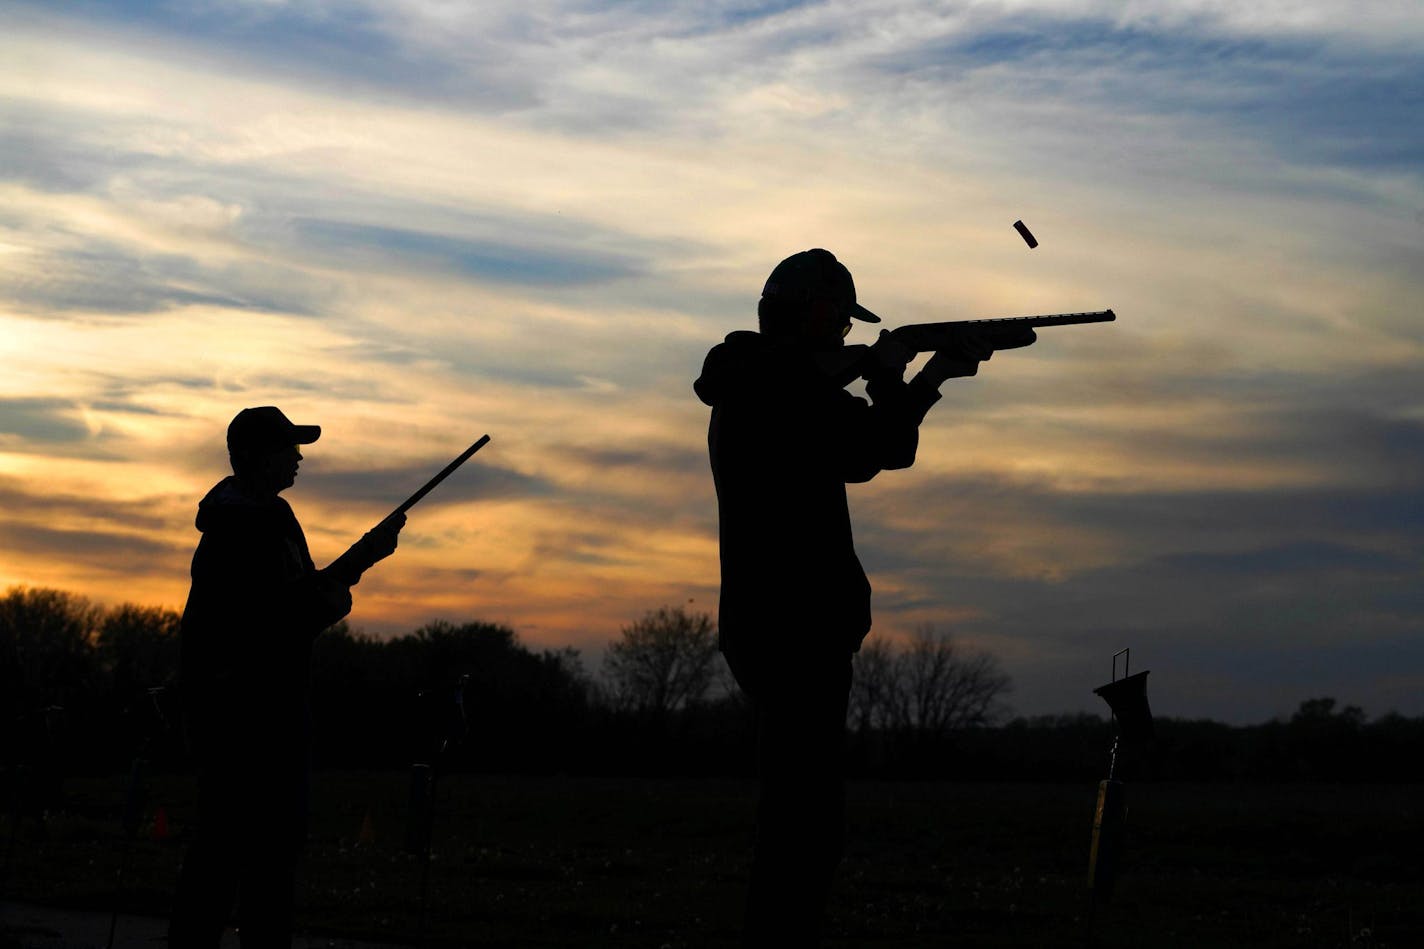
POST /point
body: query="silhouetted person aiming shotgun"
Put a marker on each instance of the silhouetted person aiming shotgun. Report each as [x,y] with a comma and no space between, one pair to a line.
[785,438]
[256,605]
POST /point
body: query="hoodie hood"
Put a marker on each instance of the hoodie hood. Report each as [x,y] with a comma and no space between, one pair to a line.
[740,358]
[228,501]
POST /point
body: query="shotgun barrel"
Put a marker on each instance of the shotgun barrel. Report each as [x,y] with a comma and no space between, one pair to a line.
[445,472]
[929,337]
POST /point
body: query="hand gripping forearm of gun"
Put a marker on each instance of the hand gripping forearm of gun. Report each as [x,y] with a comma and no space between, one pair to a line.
[380,542]
[375,545]
[958,346]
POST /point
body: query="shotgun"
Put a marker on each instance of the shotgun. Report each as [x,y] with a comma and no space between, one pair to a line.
[851,362]
[358,558]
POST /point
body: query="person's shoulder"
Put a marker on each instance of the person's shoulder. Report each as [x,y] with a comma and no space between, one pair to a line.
[733,367]
[228,508]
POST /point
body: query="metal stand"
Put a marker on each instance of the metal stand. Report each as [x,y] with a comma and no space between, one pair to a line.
[451,728]
[1132,728]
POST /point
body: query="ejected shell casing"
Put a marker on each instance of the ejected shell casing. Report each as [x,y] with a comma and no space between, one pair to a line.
[1029,239]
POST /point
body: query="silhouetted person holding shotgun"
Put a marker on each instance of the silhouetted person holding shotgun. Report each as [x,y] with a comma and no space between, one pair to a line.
[785,438]
[256,605]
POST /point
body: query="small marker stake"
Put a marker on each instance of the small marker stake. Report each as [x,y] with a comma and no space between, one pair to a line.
[368,830]
[1024,233]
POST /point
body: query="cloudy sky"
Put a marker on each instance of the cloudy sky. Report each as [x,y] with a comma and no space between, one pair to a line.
[417,221]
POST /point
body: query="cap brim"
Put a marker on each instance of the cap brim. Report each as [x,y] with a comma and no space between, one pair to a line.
[861,313]
[305,434]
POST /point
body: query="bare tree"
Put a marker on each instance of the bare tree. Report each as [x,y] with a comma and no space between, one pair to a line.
[873,687]
[942,689]
[929,686]
[666,660]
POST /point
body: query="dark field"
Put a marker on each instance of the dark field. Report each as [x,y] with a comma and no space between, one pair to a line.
[525,861]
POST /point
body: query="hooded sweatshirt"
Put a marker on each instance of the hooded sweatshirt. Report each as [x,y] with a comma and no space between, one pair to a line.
[255,607]
[784,440]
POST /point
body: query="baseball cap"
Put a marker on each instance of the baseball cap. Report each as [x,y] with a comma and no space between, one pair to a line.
[810,273]
[265,428]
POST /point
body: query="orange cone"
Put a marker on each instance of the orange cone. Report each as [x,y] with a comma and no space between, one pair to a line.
[368,830]
[160,823]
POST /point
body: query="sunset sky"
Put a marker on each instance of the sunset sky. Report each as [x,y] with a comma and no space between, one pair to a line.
[415,221]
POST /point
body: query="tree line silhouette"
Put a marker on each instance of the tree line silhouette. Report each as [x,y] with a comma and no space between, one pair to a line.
[76,682]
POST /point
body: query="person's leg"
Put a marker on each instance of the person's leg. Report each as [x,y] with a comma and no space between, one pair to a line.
[277,835]
[207,882]
[800,832]
[266,901]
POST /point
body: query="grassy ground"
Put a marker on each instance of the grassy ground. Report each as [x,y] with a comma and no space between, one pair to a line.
[580,862]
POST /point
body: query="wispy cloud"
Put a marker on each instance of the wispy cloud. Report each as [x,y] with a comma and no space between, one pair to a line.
[500,261]
[413,222]
[383,488]
[41,421]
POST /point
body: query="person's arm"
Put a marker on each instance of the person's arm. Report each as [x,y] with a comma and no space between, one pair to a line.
[883,433]
[888,434]
[963,360]
[259,578]
[375,545]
